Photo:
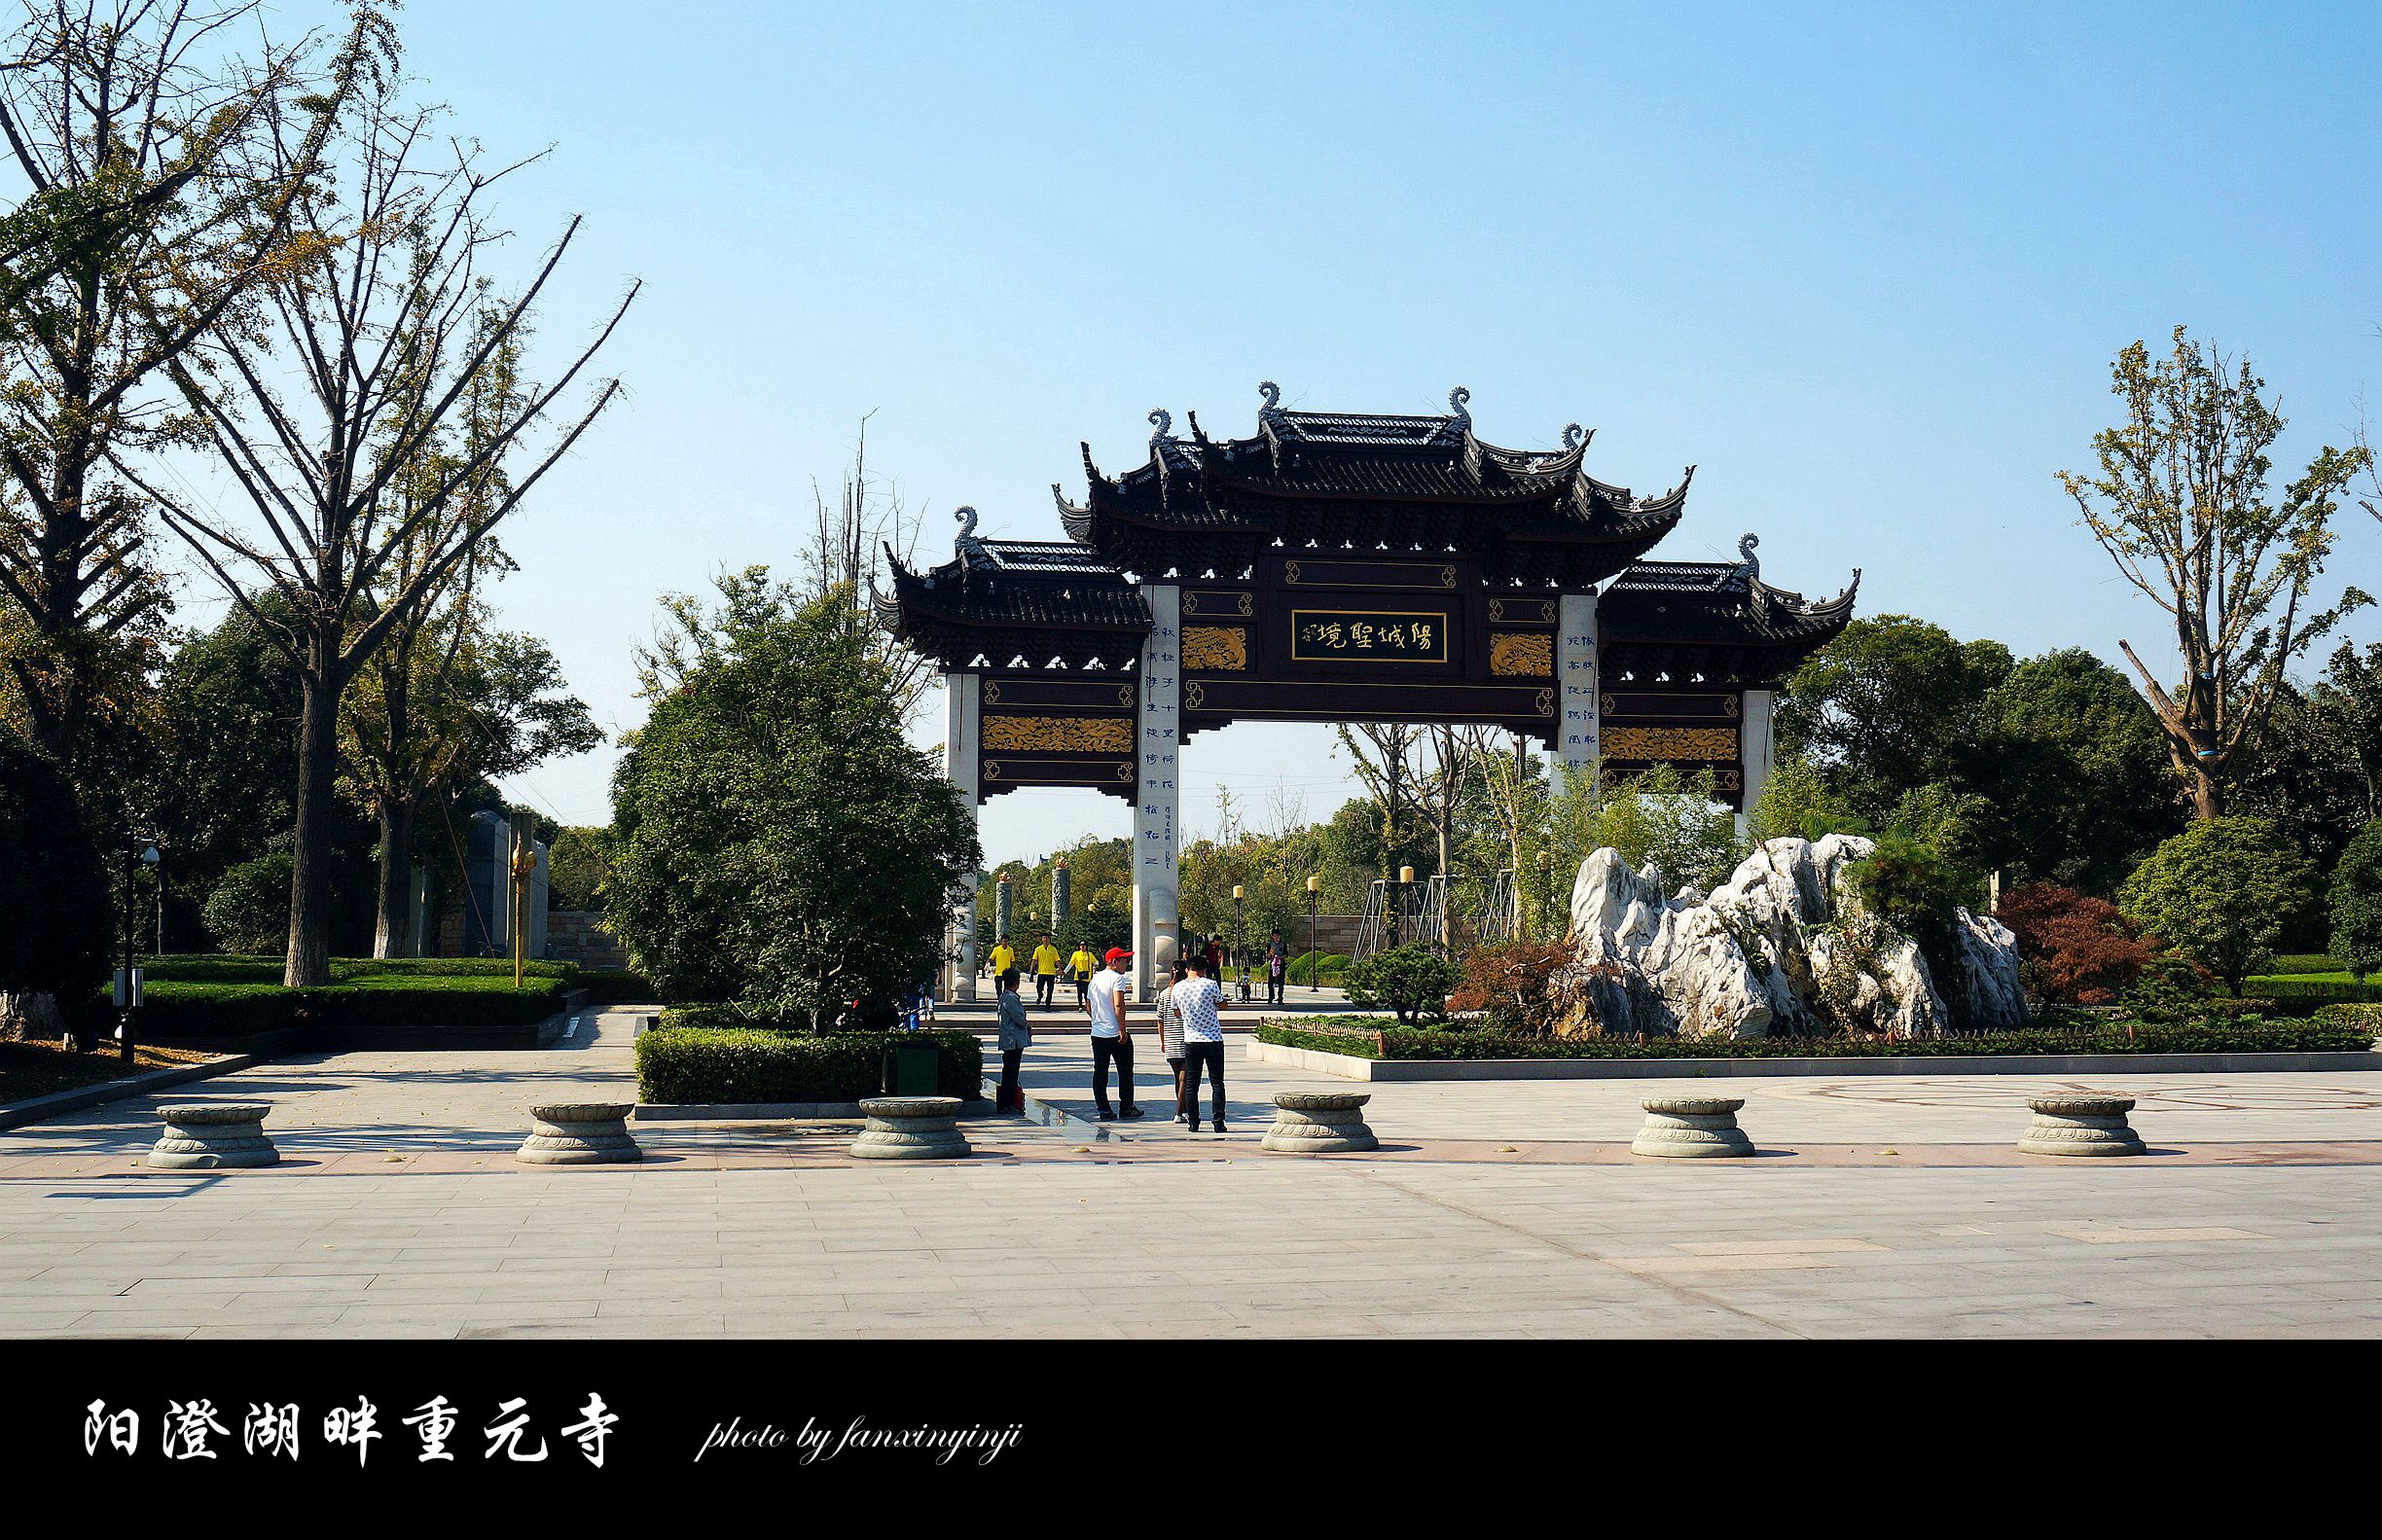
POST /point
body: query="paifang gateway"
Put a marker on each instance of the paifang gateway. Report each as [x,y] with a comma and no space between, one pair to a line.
[1343,568]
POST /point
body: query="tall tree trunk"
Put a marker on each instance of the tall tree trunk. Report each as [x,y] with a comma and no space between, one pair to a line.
[309,933]
[2207,795]
[393,928]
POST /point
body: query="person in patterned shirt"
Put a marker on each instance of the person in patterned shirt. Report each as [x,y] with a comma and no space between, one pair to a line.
[1196,1001]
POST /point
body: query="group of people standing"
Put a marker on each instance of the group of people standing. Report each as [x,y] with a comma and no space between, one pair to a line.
[1048,968]
[1190,1034]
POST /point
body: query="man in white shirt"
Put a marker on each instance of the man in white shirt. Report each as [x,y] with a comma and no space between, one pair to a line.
[1106,1003]
[1198,999]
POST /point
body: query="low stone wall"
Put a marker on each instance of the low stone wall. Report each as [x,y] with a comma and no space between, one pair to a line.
[579,935]
[1348,1067]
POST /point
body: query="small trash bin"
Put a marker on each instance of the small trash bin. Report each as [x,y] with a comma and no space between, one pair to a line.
[909,1069]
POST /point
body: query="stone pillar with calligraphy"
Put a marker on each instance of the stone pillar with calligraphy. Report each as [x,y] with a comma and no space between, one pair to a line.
[1157,801]
[962,723]
[1575,677]
[1756,748]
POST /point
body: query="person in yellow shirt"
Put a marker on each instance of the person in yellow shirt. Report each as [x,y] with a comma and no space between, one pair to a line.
[1046,972]
[1083,965]
[1004,956]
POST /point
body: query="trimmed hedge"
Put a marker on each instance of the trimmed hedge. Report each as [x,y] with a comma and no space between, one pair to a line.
[369,972]
[172,1008]
[2288,990]
[1380,1037]
[616,986]
[723,1063]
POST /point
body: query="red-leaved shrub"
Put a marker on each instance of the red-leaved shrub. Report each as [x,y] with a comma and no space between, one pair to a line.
[2072,949]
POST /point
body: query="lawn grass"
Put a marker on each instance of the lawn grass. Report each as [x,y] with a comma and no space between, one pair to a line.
[40,1068]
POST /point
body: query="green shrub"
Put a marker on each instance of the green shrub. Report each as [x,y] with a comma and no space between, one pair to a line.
[2365,1018]
[249,909]
[712,1063]
[1414,981]
[2219,891]
[1381,1038]
[2357,903]
[1302,968]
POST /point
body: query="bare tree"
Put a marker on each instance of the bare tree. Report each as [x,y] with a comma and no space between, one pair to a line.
[867,516]
[323,408]
[148,219]
[2180,504]
[1381,753]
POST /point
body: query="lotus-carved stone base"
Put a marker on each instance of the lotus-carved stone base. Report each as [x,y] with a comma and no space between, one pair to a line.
[225,1134]
[1691,1128]
[2082,1125]
[1319,1123]
[911,1128]
[580,1133]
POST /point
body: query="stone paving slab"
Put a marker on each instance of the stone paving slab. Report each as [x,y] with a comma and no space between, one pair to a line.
[1890,1207]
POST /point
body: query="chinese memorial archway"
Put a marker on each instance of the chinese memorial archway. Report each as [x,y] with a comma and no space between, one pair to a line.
[1343,568]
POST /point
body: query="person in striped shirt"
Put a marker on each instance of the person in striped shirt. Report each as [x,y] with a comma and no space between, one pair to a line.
[1196,1001]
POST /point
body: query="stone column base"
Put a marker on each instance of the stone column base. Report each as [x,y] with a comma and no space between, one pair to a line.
[2074,1124]
[1319,1123]
[223,1135]
[1691,1128]
[911,1128]
[580,1133]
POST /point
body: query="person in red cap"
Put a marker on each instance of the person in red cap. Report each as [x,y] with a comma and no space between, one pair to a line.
[1107,1002]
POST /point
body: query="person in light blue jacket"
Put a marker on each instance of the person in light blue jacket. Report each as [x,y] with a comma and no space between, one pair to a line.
[1016,1036]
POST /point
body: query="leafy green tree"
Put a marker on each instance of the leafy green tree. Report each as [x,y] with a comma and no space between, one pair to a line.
[55,914]
[358,361]
[578,864]
[1412,981]
[775,841]
[147,218]
[1890,704]
[1796,802]
[2220,893]
[2357,904]
[2078,772]
[2182,506]
[2322,782]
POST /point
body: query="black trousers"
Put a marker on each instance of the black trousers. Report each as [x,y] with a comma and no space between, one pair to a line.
[1104,1049]
[1045,984]
[1274,989]
[1195,1054]
[1011,1094]
[1083,990]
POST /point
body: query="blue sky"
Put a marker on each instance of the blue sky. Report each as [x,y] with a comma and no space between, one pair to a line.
[1864,265]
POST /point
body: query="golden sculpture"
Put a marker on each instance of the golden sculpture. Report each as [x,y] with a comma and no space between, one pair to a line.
[1521,653]
[1066,735]
[1219,647]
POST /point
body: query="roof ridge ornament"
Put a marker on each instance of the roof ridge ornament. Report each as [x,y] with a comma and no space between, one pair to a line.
[965,545]
[1574,437]
[1457,410]
[1272,409]
[1164,420]
[1750,565]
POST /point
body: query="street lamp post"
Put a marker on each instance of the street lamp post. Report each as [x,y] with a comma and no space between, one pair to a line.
[1398,925]
[1239,949]
[1315,964]
[129,994]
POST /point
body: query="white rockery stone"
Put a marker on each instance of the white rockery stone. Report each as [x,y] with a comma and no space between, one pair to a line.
[1758,951]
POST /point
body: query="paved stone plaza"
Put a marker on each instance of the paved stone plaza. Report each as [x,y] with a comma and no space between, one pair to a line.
[1881,1206]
